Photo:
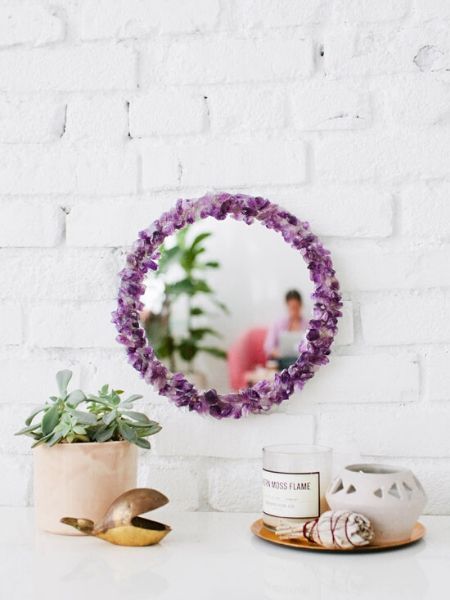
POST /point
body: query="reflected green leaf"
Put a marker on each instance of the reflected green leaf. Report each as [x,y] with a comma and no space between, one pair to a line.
[217,352]
[187,349]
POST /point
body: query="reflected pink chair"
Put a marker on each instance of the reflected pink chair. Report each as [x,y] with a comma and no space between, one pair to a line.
[245,354]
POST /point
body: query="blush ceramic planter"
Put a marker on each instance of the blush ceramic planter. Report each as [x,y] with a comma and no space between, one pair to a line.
[80,480]
[392,498]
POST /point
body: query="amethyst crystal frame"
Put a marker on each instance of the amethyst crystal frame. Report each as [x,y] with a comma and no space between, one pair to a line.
[313,350]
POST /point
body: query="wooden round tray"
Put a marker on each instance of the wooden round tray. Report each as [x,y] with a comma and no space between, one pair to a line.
[268,535]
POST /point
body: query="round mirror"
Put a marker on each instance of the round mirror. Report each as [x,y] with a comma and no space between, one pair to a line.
[216,314]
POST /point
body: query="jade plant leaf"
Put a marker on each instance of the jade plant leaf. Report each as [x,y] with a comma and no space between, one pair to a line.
[76,397]
[139,417]
[50,420]
[62,379]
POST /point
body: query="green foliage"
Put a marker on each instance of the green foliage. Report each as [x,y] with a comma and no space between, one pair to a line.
[192,284]
[108,417]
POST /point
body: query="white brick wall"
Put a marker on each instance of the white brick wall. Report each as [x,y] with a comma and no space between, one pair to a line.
[235,486]
[57,275]
[240,108]
[228,59]
[247,163]
[94,118]
[31,120]
[11,330]
[138,18]
[406,318]
[330,105]
[83,68]
[167,112]
[426,211]
[34,23]
[356,379]
[191,435]
[438,374]
[338,109]
[27,224]
[71,325]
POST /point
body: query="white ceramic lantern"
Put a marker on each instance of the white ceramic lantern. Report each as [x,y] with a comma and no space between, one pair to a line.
[392,498]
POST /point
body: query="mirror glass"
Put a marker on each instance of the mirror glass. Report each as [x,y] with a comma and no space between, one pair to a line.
[228,305]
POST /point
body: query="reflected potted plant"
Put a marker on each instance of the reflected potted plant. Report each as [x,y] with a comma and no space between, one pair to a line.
[85,452]
[183,270]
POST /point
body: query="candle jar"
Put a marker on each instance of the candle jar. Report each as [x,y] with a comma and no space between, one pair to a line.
[295,479]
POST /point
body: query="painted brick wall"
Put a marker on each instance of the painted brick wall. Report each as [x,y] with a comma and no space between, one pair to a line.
[340,110]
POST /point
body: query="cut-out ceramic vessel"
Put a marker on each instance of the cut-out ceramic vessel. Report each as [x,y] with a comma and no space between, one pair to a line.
[392,498]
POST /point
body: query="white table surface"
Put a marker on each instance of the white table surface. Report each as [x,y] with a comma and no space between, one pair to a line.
[212,556]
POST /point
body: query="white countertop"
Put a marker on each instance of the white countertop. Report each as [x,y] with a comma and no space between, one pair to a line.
[212,556]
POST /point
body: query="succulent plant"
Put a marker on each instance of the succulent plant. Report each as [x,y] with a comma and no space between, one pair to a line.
[107,417]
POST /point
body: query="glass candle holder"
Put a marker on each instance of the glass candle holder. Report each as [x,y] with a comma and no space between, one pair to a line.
[295,479]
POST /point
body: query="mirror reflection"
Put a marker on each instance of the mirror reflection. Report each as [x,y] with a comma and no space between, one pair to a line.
[228,305]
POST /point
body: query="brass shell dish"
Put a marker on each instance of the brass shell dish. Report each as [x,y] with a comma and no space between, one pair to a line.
[122,524]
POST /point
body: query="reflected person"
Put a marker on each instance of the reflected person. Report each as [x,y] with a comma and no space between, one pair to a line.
[284,335]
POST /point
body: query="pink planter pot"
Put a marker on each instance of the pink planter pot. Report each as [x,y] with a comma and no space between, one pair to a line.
[80,480]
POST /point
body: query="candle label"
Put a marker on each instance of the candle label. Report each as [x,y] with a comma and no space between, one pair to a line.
[291,495]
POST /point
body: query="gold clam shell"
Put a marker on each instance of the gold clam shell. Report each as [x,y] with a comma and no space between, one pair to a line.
[122,523]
